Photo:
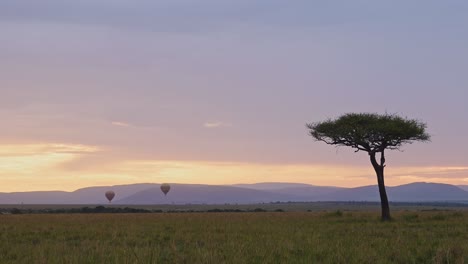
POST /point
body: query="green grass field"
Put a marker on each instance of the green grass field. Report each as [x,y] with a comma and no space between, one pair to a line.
[291,237]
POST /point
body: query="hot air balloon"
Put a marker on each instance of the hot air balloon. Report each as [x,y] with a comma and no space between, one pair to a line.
[110,195]
[165,187]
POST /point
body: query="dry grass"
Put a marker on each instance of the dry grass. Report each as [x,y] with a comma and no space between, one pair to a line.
[294,237]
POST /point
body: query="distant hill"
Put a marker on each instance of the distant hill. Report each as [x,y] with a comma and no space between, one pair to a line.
[207,194]
[419,191]
[93,194]
[422,191]
[463,187]
[44,197]
[310,192]
[364,193]
[271,185]
[306,191]
[149,193]
[90,195]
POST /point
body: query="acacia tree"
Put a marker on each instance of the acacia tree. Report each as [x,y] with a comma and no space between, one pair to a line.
[372,133]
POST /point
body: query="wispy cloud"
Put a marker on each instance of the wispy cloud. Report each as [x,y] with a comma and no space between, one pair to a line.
[216,124]
[24,166]
[121,124]
[12,150]
[428,172]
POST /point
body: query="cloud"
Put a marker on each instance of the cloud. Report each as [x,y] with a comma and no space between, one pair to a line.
[13,150]
[420,173]
[31,160]
[216,124]
[121,124]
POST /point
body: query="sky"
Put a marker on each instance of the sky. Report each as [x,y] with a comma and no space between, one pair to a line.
[107,92]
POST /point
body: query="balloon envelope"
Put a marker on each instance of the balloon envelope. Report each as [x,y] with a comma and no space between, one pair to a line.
[110,195]
[165,188]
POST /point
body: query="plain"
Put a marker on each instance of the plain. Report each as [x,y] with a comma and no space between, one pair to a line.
[263,237]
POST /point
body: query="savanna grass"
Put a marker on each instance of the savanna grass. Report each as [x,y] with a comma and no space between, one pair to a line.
[327,237]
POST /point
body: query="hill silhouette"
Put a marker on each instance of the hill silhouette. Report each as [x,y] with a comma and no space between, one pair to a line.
[149,193]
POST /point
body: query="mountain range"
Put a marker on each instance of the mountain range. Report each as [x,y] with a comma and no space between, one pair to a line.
[150,193]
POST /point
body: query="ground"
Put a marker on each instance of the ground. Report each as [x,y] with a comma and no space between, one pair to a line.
[333,236]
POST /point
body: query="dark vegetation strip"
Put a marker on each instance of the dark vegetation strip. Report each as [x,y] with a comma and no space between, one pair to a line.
[229,208]
[113,210]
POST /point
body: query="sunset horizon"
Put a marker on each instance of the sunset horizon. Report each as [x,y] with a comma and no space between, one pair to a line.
[61,163]
[233,131]
[105,93]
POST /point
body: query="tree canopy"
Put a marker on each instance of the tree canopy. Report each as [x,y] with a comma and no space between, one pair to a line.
[369,132]
[372,133]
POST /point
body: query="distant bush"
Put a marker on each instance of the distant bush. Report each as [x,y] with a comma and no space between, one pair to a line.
[15,211]
[217,210]
[337,213]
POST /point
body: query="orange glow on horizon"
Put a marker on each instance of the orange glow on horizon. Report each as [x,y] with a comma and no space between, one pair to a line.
[32,167]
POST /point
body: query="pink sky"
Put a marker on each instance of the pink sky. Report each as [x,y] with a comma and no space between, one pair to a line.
[115,92]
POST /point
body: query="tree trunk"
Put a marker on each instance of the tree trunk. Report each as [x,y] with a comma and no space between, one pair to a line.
[379,170]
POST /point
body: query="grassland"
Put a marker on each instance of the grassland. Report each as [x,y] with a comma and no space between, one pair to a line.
[290,237]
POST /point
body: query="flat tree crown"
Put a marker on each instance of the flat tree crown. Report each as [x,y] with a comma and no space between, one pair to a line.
[369,132]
